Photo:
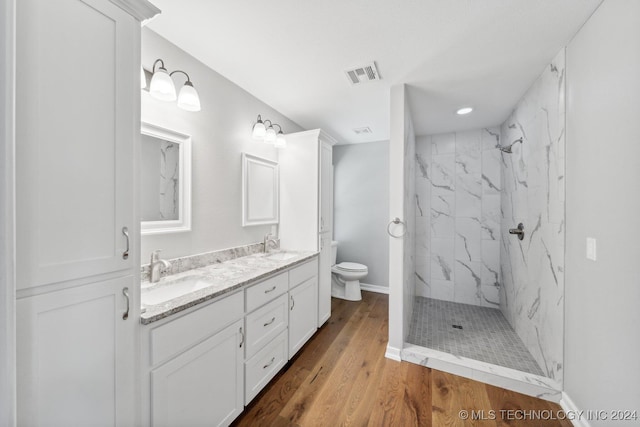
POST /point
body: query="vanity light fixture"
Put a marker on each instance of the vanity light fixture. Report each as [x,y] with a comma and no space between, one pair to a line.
[263,130]
[464,110]
[163,88]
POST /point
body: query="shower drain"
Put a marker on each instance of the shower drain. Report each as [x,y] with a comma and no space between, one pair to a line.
[456,326]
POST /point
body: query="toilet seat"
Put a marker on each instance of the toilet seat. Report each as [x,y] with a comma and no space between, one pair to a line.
[351,266]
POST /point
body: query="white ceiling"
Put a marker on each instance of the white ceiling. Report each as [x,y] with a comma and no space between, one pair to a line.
[292,55]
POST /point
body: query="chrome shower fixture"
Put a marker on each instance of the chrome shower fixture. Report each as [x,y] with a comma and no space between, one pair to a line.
[507,148]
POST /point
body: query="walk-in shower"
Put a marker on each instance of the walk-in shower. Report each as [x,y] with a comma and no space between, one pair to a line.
[487,295]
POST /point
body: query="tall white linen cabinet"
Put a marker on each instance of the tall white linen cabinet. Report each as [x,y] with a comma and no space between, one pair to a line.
[306,203]
[77,231]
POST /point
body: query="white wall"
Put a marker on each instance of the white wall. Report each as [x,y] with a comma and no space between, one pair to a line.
[220,133]
[402,148]
[602,342]
[361,207]
[7,219]
[396,209]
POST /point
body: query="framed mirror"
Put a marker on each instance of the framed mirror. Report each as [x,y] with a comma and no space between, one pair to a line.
[260,191]
[165,178]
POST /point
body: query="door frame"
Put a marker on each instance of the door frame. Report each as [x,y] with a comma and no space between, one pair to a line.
[7,216]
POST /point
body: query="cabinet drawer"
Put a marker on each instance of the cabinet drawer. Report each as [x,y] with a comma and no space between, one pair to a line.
[262,367]
[173,337]
[303,272]
[265,323]
[264,292]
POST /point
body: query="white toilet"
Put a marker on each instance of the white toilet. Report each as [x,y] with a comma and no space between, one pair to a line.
[345,280]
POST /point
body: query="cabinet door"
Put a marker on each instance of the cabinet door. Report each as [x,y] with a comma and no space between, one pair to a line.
[203,386]
[326,187]
[76,123]
[324,280]
[75,361]
[303,314]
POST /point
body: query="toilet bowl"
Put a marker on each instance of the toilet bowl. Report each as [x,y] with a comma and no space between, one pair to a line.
[345,277]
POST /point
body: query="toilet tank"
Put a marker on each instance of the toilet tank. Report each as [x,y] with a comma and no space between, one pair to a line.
[334,252]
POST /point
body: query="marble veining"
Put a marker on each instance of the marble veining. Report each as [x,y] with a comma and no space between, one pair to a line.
[533,193]
[222,277]
[458,185]
[510,379]
[411,205]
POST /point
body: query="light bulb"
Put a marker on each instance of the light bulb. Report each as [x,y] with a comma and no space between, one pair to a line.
[162,86]
[281,142]
[258,131]
[464,110]
[270,135]
[188,98]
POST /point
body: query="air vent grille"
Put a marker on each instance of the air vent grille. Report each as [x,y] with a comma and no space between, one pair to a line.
[363,131]
[363,74]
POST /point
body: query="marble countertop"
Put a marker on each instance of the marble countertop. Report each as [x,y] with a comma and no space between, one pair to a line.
[180,291]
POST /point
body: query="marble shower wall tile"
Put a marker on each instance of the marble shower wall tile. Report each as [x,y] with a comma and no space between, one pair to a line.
[458,182]
[532,270]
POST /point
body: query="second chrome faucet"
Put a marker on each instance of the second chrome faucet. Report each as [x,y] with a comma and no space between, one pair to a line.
[157,266]
[270,241]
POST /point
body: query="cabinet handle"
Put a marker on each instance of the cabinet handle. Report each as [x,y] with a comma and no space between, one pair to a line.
[242,335]
[293,302]
[125,292]
[321,223]
[273,359]
[269,322]
[125,254]
[270,290]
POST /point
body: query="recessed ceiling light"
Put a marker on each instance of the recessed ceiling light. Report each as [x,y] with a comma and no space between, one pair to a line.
[464,110]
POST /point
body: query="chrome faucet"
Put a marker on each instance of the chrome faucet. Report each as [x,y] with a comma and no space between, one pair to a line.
[156,266]
[269,240]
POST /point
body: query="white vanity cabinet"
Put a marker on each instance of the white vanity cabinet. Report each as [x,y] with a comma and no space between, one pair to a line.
[267,322]
[194,365]
[77,232]
[203,385]
[306,204]
[203,365]
[303,305]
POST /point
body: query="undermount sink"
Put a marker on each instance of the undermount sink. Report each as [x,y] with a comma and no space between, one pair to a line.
[281,256]
[170,291]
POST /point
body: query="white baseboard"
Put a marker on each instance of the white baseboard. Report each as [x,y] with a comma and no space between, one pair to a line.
[374,288]
[393,354]
[569,407]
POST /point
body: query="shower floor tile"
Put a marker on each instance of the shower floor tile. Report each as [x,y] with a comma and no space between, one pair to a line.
[485,335]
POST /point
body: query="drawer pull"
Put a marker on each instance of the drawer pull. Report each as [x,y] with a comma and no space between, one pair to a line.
[273,319]
[270,290]
[242,335]
[273,359]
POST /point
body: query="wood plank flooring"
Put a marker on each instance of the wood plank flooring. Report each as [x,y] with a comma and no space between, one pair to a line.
[341,378]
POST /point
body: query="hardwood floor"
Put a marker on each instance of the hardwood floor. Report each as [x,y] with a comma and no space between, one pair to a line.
[341,378]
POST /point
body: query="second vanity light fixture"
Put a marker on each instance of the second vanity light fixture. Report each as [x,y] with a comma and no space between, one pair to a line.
[268,134]
[163,88]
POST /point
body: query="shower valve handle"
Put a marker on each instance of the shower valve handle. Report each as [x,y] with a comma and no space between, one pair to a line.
[518,231]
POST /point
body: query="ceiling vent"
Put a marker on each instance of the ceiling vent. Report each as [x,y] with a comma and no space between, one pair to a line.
[363,131]
[363,74]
